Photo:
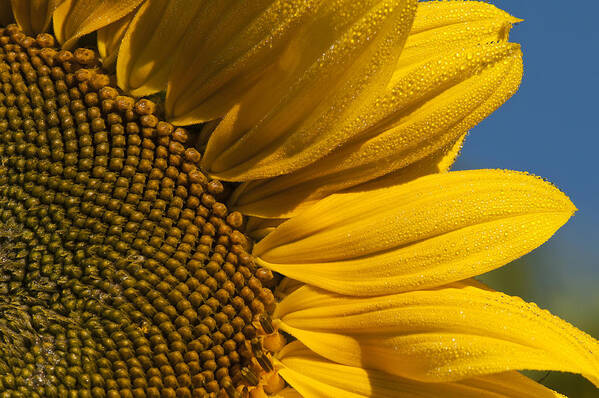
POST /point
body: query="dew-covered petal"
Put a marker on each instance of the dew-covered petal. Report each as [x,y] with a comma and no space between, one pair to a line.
[330,72]
[440,335]
[110,38]
[428,232]
[33,16]
[451,74]
[439,162]
[75,18]
[426,130]
[446,26]
[245,43]
[254,199]
[151,42]
[317,377]
[429,101]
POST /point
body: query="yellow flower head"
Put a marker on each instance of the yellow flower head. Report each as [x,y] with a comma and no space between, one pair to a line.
[331,125]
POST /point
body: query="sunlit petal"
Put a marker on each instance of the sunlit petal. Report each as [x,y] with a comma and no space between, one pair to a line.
[431,231]
[445,334]
[332,73]
[317,377]
[245,42]
[254,198]
[454,71]
[436,94]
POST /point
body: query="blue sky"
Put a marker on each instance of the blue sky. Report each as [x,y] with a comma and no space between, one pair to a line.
[550,129]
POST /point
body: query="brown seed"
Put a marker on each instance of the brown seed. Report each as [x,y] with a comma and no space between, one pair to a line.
[132,243]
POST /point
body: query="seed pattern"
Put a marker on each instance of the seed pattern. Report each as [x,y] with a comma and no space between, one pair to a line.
[121,273]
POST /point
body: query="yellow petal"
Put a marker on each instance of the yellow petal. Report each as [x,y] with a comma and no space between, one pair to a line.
[151,42]
[428,232]
[75,18]
[244,42]
[258,228]
[337,71]
[427,104]
[446,334]
[444,160]
[287,393]
[110,38]
[451,75]
[468,282]
[253,198]
[439,162]
[286,287]
[33,16]
[316,377]
[445,26]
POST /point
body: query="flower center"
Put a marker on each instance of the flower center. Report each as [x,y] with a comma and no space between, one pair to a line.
[121,272]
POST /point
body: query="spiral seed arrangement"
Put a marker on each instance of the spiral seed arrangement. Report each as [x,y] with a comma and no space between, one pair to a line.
[121,273]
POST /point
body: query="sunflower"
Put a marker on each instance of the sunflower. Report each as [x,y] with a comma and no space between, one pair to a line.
[331,125]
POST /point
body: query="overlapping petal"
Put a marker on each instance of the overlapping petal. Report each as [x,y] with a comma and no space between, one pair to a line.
[439,162]
[159,27]
[452,73]
[317,377]
[428,232]
[291,202]
[441,26]
[110,38]
[287,49]
[258,228]
[76,18]
[227,45]
[331,73]
[33,16]
[439,335]
[420,107]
